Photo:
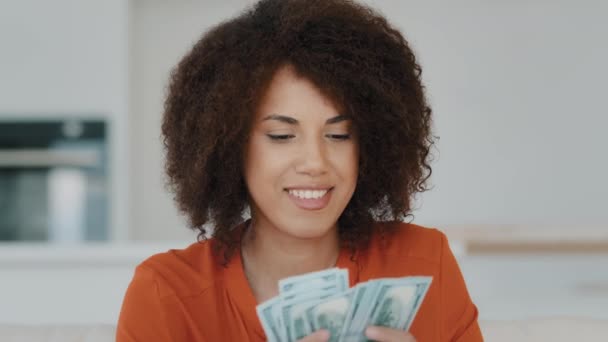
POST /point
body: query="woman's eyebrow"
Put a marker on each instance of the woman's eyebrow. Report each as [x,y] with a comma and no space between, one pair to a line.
[292,121]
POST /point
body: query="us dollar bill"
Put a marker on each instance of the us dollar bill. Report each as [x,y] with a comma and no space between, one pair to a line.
[323,300]
[331,314]
[268,321]
[398,301]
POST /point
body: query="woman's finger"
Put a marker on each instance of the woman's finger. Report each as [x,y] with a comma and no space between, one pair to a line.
[384,334]
[317,336]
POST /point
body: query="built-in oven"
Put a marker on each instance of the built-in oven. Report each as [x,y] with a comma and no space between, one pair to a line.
[54,180]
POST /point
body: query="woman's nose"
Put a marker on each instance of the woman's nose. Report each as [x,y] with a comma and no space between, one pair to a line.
[313,159]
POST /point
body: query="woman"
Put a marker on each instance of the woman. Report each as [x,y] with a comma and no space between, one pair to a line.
[310,115]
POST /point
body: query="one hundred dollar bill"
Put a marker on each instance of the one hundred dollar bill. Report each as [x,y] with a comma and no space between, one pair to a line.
[361,306]
[293,311]
[333,277]
[322,300]
[398,301]
[269,324]
[330,314]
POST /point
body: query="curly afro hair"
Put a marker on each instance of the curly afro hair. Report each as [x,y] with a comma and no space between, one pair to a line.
[352,54]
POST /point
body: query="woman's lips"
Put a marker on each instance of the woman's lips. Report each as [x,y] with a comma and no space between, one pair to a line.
[311,203]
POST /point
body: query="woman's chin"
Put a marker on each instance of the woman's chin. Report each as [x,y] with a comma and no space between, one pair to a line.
[306,233]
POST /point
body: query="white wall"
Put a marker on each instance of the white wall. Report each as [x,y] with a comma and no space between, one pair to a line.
[68,58]
[162,32]
[517,90]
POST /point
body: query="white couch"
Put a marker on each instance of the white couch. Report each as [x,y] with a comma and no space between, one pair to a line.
[550,329]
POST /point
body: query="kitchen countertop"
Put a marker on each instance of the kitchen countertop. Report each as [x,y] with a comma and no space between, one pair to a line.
[24,253]
[481,239]
[464,240]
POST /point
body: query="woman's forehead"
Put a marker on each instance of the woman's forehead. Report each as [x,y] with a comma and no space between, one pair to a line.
[289,94]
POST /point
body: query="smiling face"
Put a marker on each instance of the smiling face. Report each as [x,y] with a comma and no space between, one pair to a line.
[301,162]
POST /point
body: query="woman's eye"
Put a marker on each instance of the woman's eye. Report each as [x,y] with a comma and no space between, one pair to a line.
[339,136]
[280,137]
[285,137]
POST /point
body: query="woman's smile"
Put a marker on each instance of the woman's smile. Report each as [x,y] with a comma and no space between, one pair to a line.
[310,199]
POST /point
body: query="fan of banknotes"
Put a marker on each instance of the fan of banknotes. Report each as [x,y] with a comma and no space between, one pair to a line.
[322,300]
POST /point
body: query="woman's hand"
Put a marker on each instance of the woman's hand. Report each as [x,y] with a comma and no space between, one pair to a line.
[379,334]
[383,334]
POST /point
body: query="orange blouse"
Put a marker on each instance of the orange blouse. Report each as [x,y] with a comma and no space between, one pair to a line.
[186,295]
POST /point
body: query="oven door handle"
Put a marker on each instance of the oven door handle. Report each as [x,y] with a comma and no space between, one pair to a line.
[22,158]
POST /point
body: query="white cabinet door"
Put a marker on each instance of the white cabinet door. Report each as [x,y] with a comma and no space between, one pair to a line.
[524,286]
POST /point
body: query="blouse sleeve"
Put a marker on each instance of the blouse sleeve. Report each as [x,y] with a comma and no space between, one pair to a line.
[459,314]
[141,316]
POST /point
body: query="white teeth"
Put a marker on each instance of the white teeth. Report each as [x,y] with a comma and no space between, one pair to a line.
[308,194]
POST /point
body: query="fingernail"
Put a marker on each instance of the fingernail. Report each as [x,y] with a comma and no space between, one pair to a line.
[372,333]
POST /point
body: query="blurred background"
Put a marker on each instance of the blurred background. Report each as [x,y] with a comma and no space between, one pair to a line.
[518,92]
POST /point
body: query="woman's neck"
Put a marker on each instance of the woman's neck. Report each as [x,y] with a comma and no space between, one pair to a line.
[270,255]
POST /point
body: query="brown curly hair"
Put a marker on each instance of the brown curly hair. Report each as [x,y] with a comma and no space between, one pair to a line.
[352,54]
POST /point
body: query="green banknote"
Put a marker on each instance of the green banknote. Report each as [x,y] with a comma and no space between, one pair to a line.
[294,314]
[331,314]
[333,277]
[397,302]
[269,324]
[322,300]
